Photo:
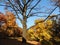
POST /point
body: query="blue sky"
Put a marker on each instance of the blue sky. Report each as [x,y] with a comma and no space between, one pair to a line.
[30,21]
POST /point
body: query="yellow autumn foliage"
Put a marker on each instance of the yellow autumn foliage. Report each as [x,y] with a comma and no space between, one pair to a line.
[30,34]
[49,22]
[39,21]
[41,29]
[30,30]
[46,35]
[41,25]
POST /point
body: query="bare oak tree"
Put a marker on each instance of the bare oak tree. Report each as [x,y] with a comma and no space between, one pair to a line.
[24,8]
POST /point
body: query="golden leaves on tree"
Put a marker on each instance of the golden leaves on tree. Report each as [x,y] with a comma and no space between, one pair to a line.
[40,29]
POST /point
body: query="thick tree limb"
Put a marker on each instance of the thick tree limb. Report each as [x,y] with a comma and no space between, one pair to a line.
[25,6]
[27,2]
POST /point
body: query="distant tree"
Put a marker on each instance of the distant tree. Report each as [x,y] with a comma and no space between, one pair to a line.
[2,19]
[56,28]
[12,28]
[40,29]
[8,26]
[2,23]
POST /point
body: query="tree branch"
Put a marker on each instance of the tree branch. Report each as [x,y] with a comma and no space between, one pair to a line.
[51,13]
[33,7]
[38,12]
[15,11]
[19,4]
[4,5]
[25,6]
[36,16]
[30,3]
[12,5]
[27,2]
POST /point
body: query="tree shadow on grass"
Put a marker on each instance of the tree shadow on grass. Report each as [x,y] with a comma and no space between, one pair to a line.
[12,42]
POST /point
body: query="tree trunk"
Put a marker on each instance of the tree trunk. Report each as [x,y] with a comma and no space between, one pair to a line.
[24,23]
[24,29]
